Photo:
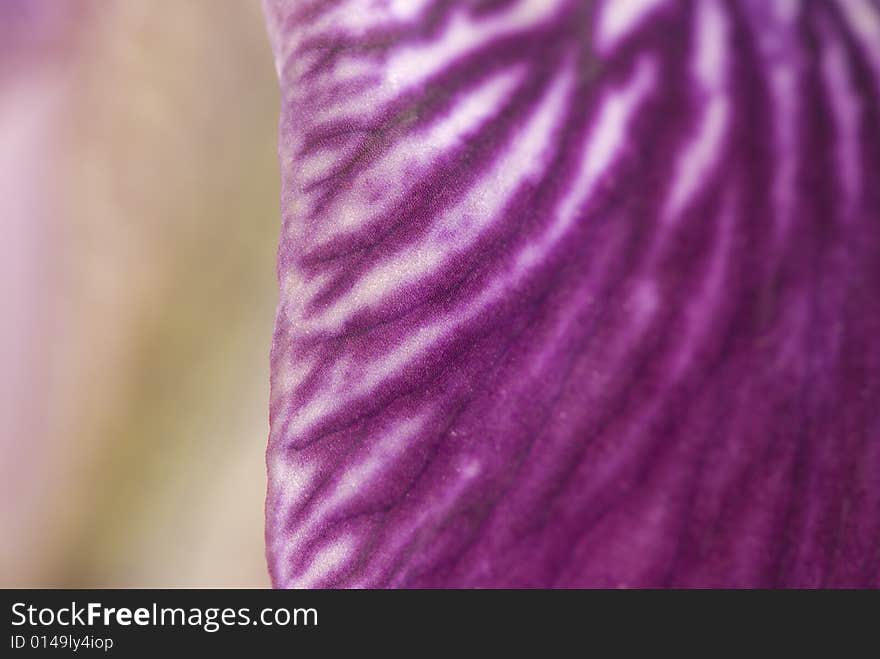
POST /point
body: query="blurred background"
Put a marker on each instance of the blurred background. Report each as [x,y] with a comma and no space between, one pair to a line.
[139,210]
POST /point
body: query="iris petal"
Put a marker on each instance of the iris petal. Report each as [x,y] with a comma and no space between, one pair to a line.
[577,294]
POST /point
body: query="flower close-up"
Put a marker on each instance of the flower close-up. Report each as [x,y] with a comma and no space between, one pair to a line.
[577,294]
[432,295]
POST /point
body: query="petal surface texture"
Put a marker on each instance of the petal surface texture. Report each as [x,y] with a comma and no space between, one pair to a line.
[577,294]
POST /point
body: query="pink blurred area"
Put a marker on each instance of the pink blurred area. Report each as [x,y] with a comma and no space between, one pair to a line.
[138,202]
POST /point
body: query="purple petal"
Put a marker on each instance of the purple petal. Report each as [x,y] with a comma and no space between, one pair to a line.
[577,294]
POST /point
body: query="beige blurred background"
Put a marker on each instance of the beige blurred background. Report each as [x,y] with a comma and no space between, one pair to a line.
[140,400]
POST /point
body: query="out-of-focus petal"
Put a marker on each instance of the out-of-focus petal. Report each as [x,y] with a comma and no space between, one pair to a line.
[34,41]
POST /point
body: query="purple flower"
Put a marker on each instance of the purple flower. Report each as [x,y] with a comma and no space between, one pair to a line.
[577,294]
